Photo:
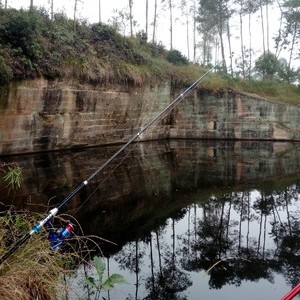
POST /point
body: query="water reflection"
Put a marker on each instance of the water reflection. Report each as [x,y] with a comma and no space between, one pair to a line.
[191,218]
[245,236]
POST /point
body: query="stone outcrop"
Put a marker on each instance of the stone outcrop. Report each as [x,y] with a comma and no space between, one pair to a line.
[39,115]
[239,116]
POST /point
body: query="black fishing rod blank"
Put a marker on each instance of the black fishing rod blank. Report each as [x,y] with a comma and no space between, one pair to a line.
[37,227]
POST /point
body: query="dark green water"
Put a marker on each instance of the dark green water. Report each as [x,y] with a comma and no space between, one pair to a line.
[191,219]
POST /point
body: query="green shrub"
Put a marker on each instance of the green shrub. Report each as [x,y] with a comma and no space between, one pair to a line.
[6,73]
[175,57]
[21,31]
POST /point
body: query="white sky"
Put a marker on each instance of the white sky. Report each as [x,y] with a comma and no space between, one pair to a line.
[89,9]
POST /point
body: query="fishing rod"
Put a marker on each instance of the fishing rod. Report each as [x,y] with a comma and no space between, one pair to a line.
[53,212]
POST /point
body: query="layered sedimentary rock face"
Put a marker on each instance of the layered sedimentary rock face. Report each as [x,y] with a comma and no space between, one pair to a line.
[39,115]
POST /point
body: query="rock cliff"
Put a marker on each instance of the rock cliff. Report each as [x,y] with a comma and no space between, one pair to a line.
[39,115]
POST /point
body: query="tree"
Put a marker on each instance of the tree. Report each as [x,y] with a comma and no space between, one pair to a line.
[286,72]
[130,3]
[267,65]
[214,14]
[194,11]
[292,26]
[51,8]
[154,21]
[241,14]
[288,36]
[99,11]
[185,11]
[75,11]
[251,6]
[169,5]
[265,39]
[120,20]
[147,18]
[5,4]
[229,40]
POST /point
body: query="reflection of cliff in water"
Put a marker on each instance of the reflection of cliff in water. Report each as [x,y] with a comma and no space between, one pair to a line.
[219,189]
[158,174]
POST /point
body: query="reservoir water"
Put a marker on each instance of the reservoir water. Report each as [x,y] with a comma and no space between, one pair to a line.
[189,219]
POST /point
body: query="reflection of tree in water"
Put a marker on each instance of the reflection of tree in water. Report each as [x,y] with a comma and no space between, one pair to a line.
[131,258]
[167,281]
[223,245]
[241,236]
[287,236]
[167,284]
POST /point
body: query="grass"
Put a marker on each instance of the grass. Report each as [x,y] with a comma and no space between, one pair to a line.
[34,271]
[98,55]
[272,89]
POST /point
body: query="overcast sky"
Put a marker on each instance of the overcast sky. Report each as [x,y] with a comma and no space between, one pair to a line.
[89,9]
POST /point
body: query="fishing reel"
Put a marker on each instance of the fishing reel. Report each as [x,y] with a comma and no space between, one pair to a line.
[59,236]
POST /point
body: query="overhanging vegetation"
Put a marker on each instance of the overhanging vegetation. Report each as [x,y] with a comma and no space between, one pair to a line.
[33,45]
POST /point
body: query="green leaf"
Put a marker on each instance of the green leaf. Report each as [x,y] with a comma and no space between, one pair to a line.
[110,282]
[13,177]
[100,267]
[91,282]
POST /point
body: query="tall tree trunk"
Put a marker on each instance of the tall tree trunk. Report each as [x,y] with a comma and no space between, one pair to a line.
[154,21]
[147,15]
[292,50]
[99,11]
[220,29]
[242,38]
[262,27]
[52,9]
[31,4]
[171,24]
[222,51]
[194,31]
[230,50]
[250,47]
[131,17]
[268,30]
[185,11]
[278,39]
[74,18]
[187,37]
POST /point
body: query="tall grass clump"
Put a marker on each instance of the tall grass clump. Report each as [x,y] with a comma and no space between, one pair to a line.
[34,271]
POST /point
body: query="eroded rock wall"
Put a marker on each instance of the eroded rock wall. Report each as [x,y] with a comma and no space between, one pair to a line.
[39,115]
[230,115]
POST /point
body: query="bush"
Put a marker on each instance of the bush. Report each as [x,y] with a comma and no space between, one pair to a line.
[175,57]
[6,73]
[21,31]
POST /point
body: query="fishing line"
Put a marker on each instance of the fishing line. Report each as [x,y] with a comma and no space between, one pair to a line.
[53,212]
